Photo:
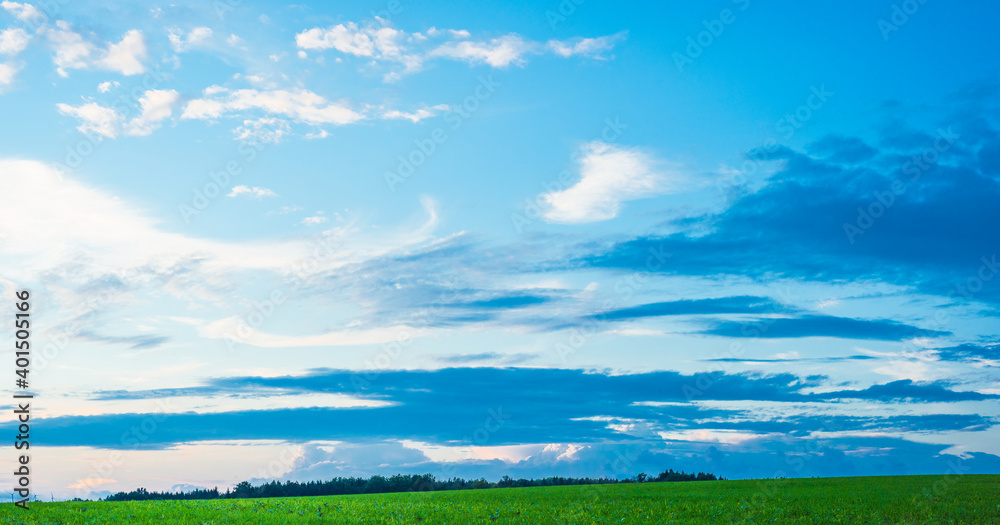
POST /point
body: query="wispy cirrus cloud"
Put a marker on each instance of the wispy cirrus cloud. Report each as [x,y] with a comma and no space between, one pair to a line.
[134,342]
[125,243]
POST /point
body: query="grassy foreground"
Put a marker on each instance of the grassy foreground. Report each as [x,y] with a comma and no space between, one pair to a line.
[897,499]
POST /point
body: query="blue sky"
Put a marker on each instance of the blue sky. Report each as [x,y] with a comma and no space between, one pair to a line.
[574,238]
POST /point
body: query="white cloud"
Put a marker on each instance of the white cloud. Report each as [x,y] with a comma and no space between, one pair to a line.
[237,330]
[408,51]
[609,175]
[301,105]
[13,41]
[314,220]
[417,115]
[914,370]
[710,436]
[255,192]
[376,42]
[214,89]
[197,37]
[498,52]
[60,218]
[827,303]
[460,33]
[69,232]
[298,106]
[262,131]
[200,35]
[284,210]
[23,12]
[105,87]
[79,244]
[266,399]
[321,134]
[202,108]
[255,80]
[72,51]
[95,118]
[348,38]
[7,74]
[126,56]
[588,47]
[157,105]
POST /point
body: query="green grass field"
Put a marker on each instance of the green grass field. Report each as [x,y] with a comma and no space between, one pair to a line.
[899,499]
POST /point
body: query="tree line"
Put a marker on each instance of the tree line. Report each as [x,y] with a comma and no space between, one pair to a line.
[382,484]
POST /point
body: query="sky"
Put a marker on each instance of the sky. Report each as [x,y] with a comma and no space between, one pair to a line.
[298,241]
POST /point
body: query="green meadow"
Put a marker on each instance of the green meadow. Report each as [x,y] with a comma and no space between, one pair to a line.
[864,500]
